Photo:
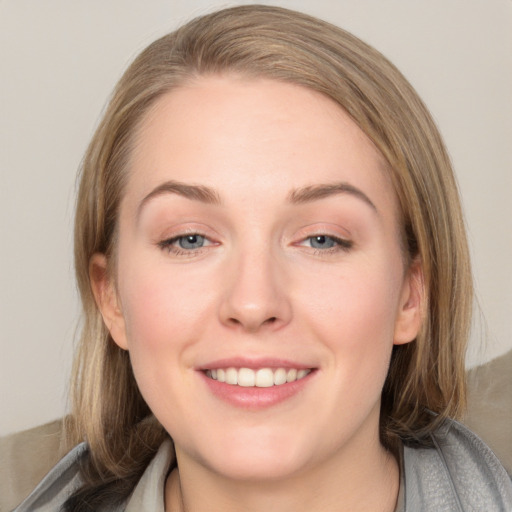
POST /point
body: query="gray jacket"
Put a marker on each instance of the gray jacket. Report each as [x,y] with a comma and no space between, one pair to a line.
[458,474]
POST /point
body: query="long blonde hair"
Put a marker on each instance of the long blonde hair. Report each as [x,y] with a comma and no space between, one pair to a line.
[263,41]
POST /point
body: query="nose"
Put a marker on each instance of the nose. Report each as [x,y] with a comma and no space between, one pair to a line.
[256,296]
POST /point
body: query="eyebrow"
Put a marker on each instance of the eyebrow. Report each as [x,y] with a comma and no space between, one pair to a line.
[301,195]
[194,192]
[320,191]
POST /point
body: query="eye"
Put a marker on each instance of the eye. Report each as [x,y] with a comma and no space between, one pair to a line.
[327,243]
[185,244]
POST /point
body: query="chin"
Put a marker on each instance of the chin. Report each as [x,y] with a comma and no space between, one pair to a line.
[260,458]
[261,468]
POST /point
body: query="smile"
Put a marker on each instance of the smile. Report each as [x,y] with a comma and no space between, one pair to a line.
[260,378]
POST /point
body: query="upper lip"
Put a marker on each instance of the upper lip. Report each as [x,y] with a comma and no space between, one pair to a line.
[254,363]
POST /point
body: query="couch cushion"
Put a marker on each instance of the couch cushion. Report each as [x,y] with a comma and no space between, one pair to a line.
[489,411]
[25,458]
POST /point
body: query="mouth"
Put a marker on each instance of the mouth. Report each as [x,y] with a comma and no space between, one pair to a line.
[256,384]
[257,378]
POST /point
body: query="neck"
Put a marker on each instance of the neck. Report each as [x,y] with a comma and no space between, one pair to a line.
[368,483]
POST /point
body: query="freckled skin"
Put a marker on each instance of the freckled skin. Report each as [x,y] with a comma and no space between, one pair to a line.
[338,310]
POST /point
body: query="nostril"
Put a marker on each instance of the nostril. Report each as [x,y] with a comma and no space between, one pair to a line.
[269,321]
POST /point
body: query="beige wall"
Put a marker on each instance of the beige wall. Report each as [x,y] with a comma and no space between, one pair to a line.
[59,61]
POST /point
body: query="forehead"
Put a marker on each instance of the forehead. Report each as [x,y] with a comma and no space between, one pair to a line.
[234,133]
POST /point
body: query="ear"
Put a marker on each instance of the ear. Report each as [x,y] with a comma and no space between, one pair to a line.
[107,300]
[411,307]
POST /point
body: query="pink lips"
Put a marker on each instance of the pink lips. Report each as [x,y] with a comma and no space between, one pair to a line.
[255,398]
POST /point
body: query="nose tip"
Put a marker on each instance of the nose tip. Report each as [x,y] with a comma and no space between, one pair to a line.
[256,298]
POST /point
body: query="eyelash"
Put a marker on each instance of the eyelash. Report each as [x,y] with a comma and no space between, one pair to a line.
[340,244]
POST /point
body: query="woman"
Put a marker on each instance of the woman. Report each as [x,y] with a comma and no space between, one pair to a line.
[275,277]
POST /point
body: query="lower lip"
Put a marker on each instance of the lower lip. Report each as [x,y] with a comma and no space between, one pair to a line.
[254,398]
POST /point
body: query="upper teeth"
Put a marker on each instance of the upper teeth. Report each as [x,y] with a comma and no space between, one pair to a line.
[262,378]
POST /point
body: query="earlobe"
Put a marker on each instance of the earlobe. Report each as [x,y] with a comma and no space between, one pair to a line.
[106,298]
[411,308]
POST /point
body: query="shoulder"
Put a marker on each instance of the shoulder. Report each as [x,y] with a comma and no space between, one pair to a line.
[457,473]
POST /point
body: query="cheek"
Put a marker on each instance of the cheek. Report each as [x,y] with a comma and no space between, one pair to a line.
[166,313]
[362,301]
[354,313]
[148,314]
[163,320]
[160,306]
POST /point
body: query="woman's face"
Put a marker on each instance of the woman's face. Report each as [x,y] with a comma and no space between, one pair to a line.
[259,243]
